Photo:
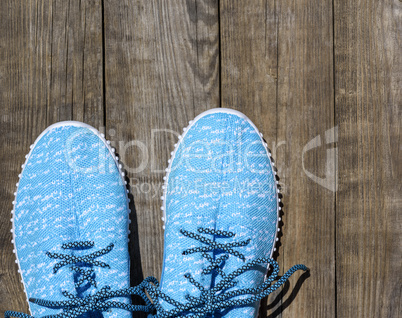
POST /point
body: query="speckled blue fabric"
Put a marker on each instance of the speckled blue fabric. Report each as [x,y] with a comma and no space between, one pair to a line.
[221,178]
[71,190]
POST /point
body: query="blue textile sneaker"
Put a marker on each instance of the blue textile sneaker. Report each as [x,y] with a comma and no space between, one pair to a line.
[221,214]
[70,226]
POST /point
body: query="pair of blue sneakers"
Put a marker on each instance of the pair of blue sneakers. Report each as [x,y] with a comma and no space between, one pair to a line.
[221,210]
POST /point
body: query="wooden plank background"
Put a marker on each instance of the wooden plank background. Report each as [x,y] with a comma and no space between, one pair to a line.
[326,71]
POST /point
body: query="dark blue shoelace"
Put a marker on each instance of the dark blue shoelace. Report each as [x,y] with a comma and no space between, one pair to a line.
[218,297]
[75,306]
[209,301]
[87,260]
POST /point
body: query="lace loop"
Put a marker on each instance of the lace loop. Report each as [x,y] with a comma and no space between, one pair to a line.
[76,306]
[220,296]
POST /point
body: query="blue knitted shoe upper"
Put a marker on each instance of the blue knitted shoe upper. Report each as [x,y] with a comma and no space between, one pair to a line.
[220,179]
[71,191]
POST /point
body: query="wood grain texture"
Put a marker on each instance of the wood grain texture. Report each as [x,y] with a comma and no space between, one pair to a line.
[368,112]
[50,70]
[140,70]
[249,48]
[162,69]
[305,112]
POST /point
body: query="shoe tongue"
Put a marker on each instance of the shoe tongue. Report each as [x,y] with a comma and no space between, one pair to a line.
[233,262]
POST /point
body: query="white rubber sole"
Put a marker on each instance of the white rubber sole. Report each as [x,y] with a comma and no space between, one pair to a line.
[56,125]
[173,154]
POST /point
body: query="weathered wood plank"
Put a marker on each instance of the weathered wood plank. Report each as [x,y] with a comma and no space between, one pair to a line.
[277,68]
[162,69]
[368,107]
[249,47]
[305,111]
[50,70]
[74,62]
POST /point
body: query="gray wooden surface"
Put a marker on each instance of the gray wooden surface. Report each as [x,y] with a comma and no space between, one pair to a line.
[320,73]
